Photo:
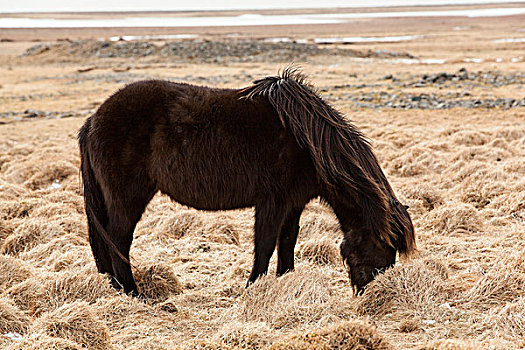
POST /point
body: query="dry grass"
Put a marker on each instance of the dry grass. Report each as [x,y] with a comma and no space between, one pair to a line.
[348,336]
[412,288]
[76,322]
[508,321]
[301,297]
[28,235]
[454,217]
[12,319]
[322,251]
[461,171]
[451,345]
[10,209]
[13,271]
[40,341]
[52,290]
[245,335]
[157,282]
[502,282]
[5,230]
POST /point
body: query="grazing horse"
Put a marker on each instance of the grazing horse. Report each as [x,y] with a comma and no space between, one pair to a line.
[274,145]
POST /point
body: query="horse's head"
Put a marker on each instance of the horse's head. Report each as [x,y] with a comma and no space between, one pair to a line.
[366,255]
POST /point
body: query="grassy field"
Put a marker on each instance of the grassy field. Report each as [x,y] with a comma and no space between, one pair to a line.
[448,130]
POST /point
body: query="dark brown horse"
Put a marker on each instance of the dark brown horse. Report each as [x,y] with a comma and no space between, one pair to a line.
[274,145]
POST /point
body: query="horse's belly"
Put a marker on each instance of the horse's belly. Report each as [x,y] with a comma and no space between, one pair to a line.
[209,195]
[208,186]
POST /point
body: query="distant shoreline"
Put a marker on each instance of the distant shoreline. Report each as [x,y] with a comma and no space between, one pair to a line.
[352,27]
[245,19]
[267,6]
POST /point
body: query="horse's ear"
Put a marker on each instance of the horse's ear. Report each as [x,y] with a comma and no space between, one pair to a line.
[406,206]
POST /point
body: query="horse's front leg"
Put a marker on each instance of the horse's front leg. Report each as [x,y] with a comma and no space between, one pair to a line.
[269,219]
[286,242]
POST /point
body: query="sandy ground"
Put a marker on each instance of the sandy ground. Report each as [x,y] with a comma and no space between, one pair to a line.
[461,171]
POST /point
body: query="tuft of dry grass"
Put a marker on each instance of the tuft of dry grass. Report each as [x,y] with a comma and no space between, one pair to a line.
[154,343]
[353,335]
[28,235]
[322,251]
[178,224]
[221,231]
[10,191]
[53,210]
[425,196]
[123,312]
[20,208]
[5,230]
[302,296]
[65,287]
[157,282]
[242,335]
[318,222]
[52,290]
[451,345]
[12,319]
[13,271]
[76,322]
[41,341]
[437,267]
[26,295]
[203,345]
[508,321]
[504,281]
[453,217]
[59,254]
[410,325]
[39,170]
[414,288]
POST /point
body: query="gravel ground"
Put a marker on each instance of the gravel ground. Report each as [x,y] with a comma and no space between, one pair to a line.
[460,79]
[402,100]
[205,50]
[30,114]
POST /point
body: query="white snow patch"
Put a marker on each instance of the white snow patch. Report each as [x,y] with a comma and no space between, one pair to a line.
[473,60]
[510,40]
[55,185]
[362,39]
[13,336]
[153,37]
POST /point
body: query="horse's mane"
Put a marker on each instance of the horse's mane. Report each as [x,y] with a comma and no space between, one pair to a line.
[342,155]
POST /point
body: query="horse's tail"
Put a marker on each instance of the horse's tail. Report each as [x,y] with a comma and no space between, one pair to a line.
[96,211]
[342,156]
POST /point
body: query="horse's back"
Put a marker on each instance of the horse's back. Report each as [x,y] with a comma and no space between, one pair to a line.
[205,147]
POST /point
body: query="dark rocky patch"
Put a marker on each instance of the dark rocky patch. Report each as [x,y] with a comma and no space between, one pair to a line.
[461,79]
[30,114]
[401,100]
[205,50]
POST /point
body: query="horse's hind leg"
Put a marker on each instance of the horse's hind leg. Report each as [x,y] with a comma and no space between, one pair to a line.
[269,218]
[100,250]
[286,242]
[123,217]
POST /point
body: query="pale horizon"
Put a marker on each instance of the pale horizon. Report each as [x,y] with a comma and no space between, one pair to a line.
[207,5]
